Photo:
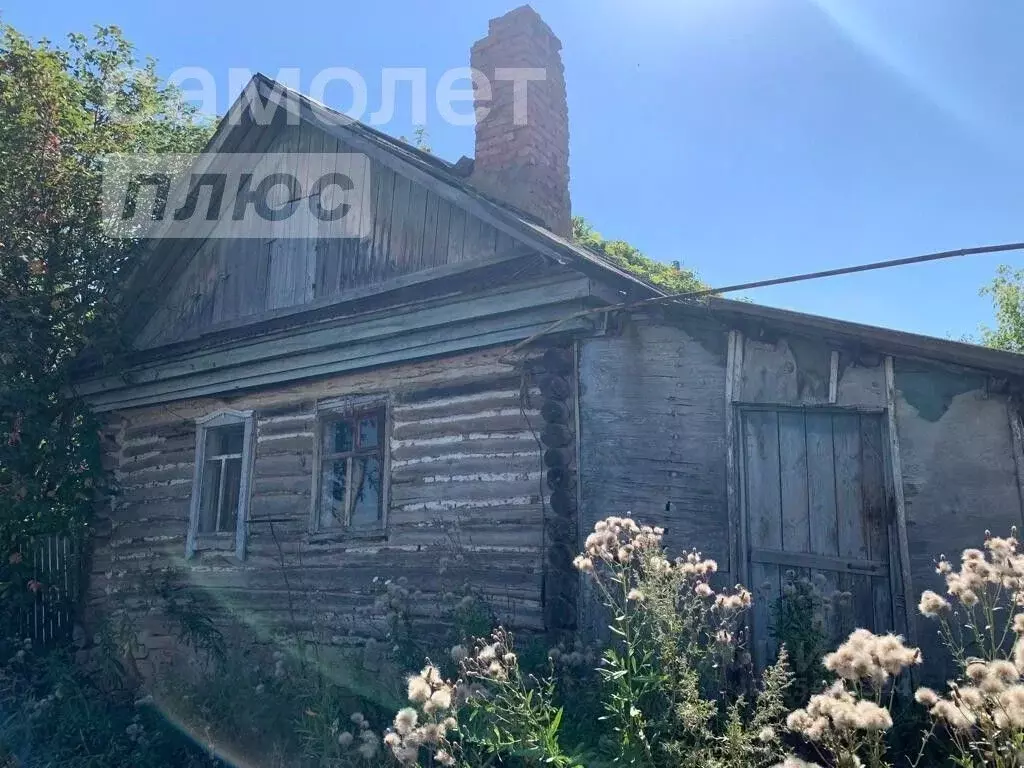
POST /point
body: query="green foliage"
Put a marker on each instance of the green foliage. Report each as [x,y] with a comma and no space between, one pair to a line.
[670,673]
[673,685]
[55,712]
[801,616]
[512,713]
[672,277]
[61,111]
[1007,292]
[275,705]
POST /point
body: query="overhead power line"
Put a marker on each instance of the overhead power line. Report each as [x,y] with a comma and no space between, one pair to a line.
[976,251]
[704,292]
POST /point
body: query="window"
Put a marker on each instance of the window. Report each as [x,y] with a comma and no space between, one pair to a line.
[351,470]
[222,479]
[220,488]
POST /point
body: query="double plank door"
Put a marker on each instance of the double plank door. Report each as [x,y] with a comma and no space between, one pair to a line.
[816,505]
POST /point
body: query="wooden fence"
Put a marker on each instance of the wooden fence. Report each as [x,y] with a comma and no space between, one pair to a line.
[56,568]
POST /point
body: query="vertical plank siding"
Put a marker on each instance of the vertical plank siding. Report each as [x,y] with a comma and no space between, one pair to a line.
[826,468]
[410,229]
[652,434]
[763,496]
[465,503]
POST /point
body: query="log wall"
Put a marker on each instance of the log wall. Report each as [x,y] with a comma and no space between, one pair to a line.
[465,504]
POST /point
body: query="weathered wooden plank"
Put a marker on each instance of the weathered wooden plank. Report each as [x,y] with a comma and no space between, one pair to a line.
[177,281]
[498,419]
[876,515]
[1017,443]
[457,235]
[441,233]
[736,517]
[491,395]
[429,250]
[833,376]
[764,520]
[821,494]
[528,539]
[282,273]
[415,227]
[399,256]
[328,246]
[796,529]
[896,469]
[488,444]
[351,273]
[414,345]
[358,219]
[473,238]
[410,496]
[311,166]
[819,562]
[384,182]
[852,533]
[461,467]
[821,484]
[761,440]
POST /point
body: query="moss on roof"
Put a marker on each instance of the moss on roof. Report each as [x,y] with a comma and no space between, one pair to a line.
[671,277]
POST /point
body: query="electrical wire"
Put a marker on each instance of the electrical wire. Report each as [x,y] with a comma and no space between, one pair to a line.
[706,292]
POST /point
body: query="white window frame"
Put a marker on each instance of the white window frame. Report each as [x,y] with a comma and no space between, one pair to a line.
[331,410]
[195,540]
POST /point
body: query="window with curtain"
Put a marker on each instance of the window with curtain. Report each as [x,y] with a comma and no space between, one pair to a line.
[351,470]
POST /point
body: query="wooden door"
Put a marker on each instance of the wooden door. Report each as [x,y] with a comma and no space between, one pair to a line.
[815,504]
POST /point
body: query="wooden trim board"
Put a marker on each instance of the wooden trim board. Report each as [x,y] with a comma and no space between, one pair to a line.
[898,499]
[820,562]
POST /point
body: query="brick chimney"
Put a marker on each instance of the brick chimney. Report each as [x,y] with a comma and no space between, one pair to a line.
[522,155]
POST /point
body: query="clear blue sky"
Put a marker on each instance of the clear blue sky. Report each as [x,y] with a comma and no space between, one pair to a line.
[746,138]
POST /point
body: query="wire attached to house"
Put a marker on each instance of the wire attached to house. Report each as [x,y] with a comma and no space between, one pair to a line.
[976,251]
[706,292]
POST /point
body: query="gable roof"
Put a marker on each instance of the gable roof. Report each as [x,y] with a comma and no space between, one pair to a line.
[444,179]
[421,167]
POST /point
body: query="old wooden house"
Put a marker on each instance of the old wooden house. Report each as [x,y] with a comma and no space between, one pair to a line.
[459,393]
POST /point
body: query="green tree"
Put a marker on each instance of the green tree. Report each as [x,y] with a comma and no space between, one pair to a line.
[62,109]
[672,277]
[1007,292]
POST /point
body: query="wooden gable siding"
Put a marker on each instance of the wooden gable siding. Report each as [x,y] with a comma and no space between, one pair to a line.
[465,504]
[411,229]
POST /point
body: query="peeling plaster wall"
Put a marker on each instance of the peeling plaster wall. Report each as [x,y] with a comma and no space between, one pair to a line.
[653,429]
[959,472]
